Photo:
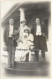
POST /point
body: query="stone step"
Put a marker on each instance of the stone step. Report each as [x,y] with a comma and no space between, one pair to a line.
[25,66]
[28,68]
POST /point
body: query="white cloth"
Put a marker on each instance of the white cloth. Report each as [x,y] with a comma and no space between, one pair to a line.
[22,30]
[38,30]
[10,30]
[31,39]
[21,54]
[25,44]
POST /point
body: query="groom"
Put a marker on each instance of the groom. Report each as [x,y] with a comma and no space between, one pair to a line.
[39,39]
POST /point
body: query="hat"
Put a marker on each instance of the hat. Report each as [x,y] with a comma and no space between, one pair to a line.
[22,15]
[26,31]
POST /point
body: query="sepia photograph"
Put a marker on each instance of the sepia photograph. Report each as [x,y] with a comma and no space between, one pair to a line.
[25,38]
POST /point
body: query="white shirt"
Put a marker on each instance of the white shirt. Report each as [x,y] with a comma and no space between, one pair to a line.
[38,30]
[10,30]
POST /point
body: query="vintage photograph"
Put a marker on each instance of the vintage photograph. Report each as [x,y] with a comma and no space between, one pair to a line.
[25,38]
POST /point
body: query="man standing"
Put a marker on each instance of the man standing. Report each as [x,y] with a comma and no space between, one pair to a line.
[39,39]
[11,53]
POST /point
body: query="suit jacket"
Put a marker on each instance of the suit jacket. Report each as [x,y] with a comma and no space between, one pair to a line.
[6,35]
[43,45]
[33,30]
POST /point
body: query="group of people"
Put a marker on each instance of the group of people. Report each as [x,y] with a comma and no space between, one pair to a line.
[24,42]
[30,40]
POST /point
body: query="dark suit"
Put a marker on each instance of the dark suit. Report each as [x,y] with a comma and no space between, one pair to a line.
[11,46]
[39,41]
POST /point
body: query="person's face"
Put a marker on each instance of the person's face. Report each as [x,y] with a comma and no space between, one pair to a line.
[25,35]
[11,21]
[23,24]
[37,21]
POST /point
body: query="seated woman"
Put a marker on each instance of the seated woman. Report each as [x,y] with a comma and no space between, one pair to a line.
[23,46]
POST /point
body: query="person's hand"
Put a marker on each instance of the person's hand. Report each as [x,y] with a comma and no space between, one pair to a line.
[31,47]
